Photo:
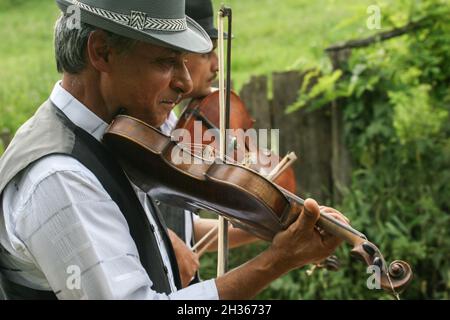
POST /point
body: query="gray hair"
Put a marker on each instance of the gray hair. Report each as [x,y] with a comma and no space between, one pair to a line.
[71,43]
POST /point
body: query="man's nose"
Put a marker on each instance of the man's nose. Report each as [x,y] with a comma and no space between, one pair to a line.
[214,62]
[182,81]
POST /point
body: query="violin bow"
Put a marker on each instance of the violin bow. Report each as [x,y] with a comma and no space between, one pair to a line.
[285,163]
[224,105]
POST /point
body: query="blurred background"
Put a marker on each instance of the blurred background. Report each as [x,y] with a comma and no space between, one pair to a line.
[364,102]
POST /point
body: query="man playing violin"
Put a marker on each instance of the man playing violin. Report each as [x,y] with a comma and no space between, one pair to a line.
[72,226]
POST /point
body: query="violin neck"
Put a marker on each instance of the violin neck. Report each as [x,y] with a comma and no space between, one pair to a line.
[331,224]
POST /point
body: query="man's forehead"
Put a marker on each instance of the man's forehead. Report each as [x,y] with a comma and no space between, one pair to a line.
[171,51]
[157,50]
[176,52]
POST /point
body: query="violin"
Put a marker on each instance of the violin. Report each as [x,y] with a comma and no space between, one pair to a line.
[206,111]
[242,195]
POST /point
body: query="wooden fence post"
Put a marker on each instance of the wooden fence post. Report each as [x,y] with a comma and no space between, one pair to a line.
[255,96]
[306,133]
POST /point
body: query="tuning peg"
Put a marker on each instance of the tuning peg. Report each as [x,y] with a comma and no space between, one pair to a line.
[378,262]
[332,263]
[368,248]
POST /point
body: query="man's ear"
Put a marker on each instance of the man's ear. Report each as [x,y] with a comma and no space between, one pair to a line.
[98,51]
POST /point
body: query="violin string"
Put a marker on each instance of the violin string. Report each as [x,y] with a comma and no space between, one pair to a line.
[188,148]
[323,214]
[200,148]
[395,293]
[386,271]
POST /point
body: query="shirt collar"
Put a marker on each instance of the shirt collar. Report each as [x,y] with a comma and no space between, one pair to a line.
[170,123]
[78,113]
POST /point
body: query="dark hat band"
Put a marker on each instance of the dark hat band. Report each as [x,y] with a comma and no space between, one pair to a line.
[137,20]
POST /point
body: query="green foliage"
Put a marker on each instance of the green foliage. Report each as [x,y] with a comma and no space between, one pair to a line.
[27,67]
[273,35]
[10,4]
[397,104]
[414,117]
[323,91]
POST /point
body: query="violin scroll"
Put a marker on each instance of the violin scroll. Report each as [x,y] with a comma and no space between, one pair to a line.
[393,278]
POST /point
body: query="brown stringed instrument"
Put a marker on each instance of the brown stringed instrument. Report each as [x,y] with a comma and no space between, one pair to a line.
[245,197]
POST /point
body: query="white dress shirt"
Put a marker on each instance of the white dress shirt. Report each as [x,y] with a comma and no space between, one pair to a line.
[58,221]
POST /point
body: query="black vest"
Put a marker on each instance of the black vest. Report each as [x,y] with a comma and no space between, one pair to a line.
[97,158]
[175,219]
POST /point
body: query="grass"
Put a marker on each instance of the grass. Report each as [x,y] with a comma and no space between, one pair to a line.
[27,67]
[274,35]
[270,35]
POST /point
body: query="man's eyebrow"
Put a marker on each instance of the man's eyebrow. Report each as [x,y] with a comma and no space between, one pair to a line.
[176,52]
